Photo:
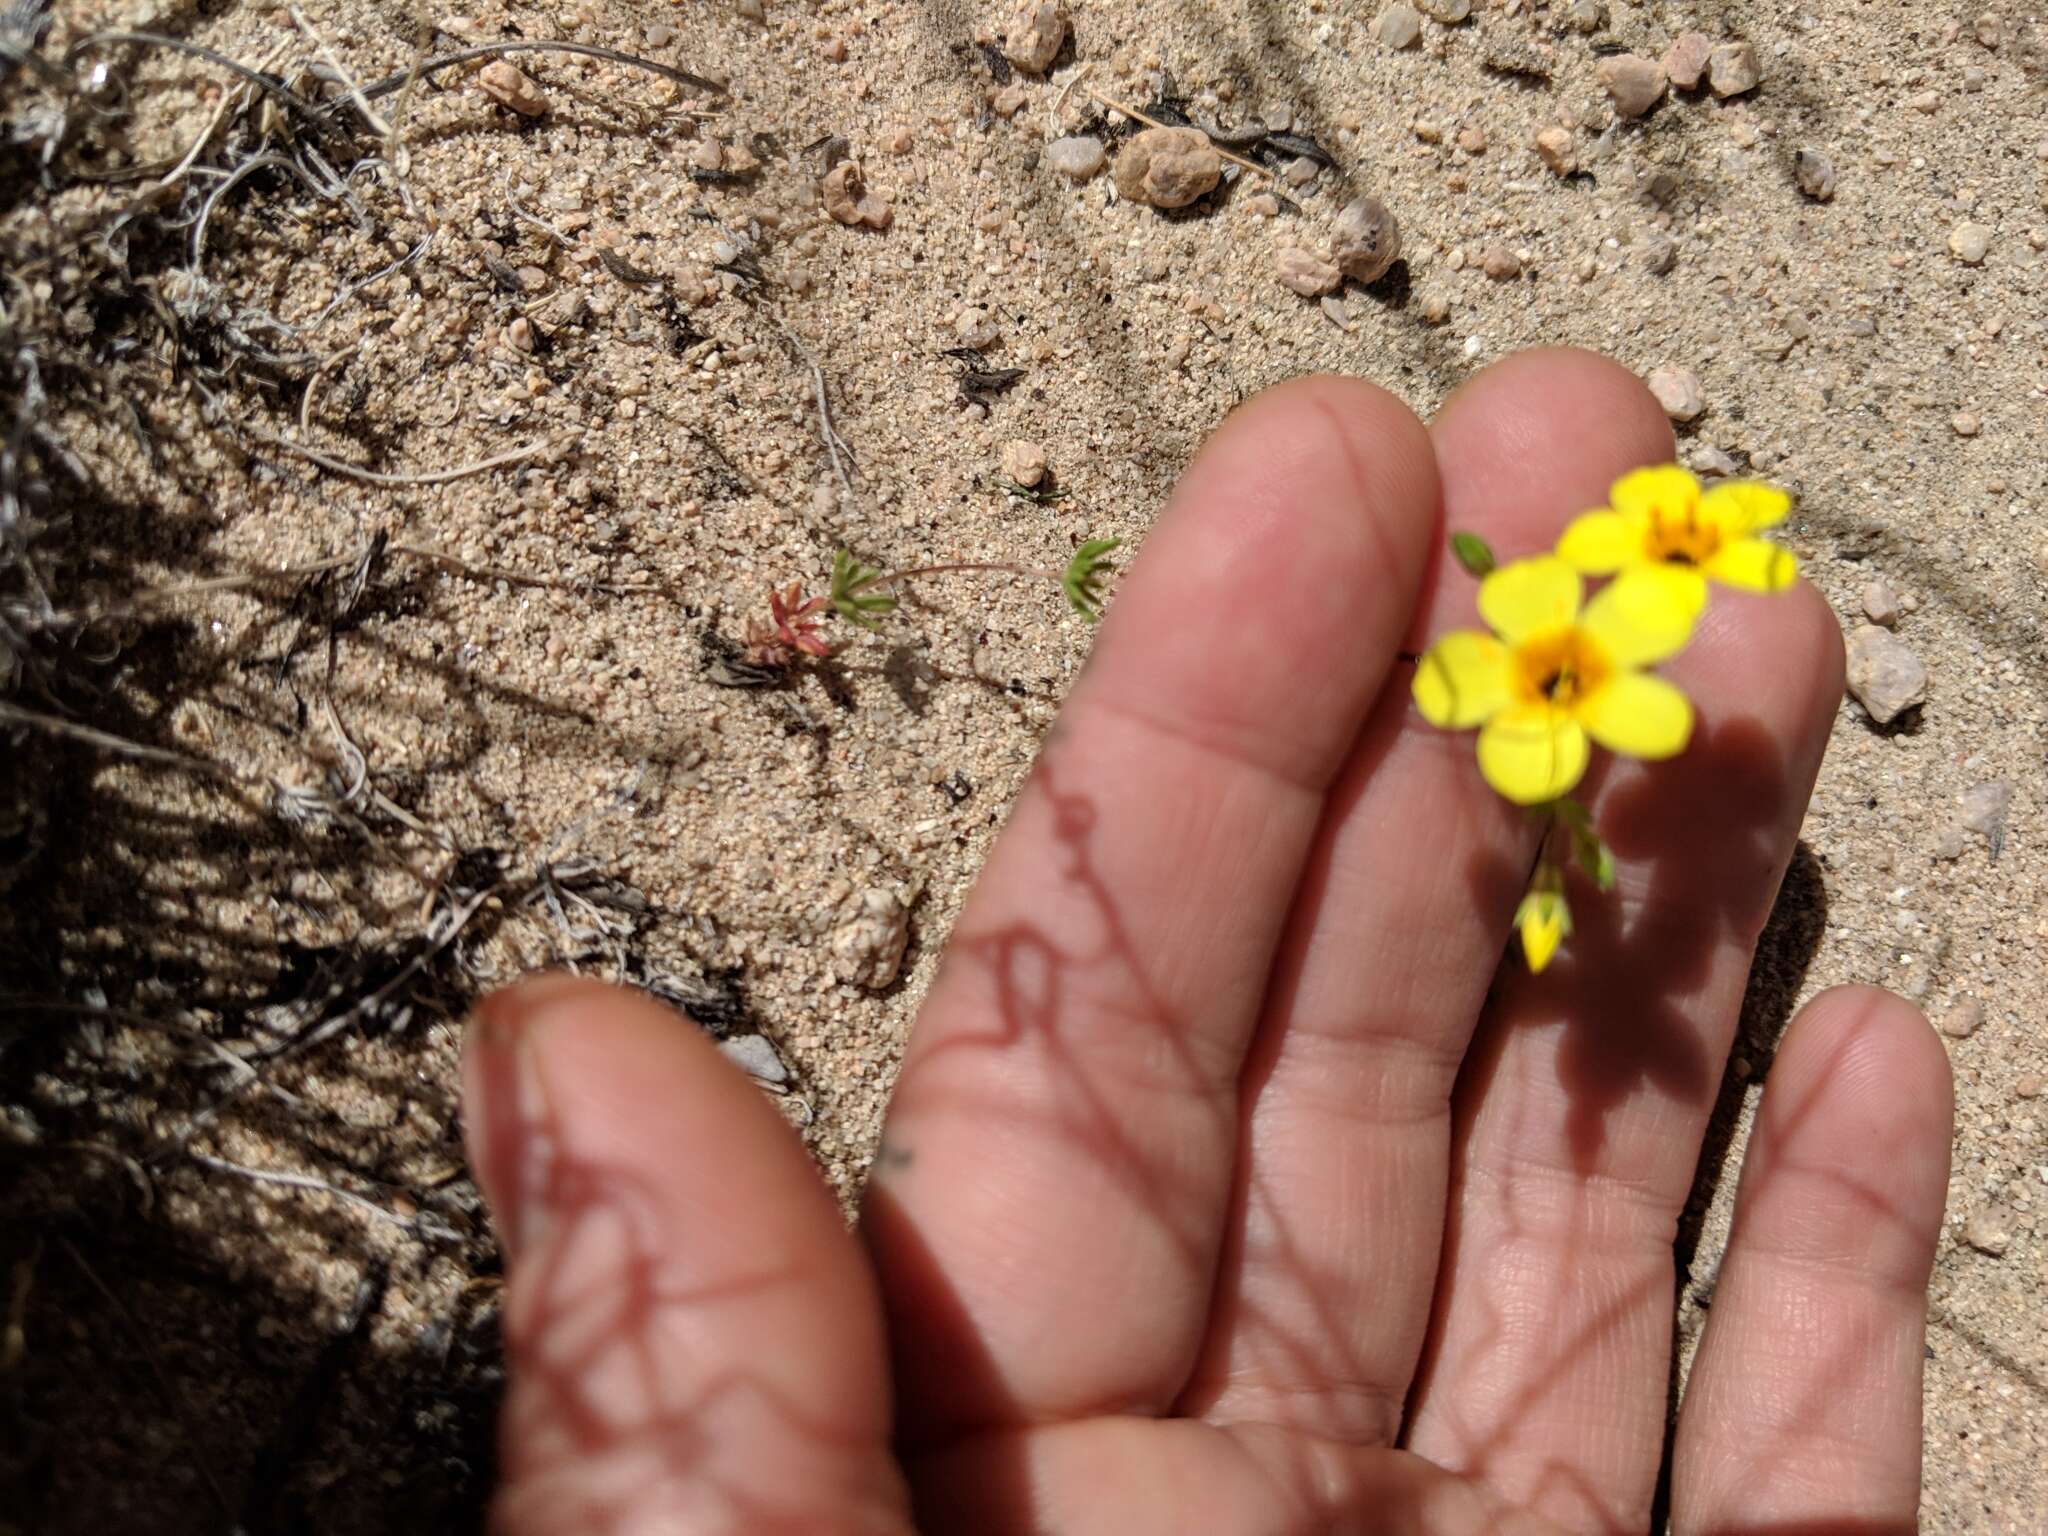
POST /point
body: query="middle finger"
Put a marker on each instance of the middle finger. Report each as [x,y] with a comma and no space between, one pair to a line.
[1343,1162]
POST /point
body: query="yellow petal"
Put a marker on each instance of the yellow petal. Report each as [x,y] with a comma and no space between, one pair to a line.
[1462,680]
[1646,613]
[1532,753]
[1600,543]
[1744,506]
[1664,490]
[1755,565]
[1637,715]
[1544,920]
[1530,597]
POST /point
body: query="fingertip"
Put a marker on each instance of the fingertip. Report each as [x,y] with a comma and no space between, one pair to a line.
[1884,1068]
[1566,421]
[1804,1399]
[1297,538]
[661,1221]
[1335,460]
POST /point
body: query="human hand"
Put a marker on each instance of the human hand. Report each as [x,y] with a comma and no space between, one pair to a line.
[1231,1184]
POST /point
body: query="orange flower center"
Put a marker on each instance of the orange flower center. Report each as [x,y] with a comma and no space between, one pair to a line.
[1682,538]
[1558,668]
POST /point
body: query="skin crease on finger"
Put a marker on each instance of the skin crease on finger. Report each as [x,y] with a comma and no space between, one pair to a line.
[694,1341]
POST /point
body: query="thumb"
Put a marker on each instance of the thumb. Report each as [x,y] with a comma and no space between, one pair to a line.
[692,1338]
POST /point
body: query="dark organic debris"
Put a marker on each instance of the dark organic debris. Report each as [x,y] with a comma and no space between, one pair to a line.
[998,63]
[1293,146]
[977,381]
[623,269]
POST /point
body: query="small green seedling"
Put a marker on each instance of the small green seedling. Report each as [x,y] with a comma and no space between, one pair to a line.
[862,595]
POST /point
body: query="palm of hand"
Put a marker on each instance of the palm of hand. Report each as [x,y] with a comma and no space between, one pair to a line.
[1221,1163]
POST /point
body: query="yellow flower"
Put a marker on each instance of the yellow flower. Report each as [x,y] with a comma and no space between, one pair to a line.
[1557,676]
[1661,521]
[1543,920]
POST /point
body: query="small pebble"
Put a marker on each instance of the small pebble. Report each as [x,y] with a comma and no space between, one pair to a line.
[750,10]
[1306,273]
[1448,12]
[1023,462]
[1986,808]
[1033,33]
[1007,102]
[1678,391]
[1990,31]
[1927,101]
[1733,69]
[708,156]
[1500,263]
[1881,604]
[1633,83]
[1885,676]
[1660,253]
[1815,173]
[849,201]
[755,1056]
[1685,61]
[867,944]
[1167,167]
[1964,1019]
[1399,27]
[1970,243]
[2028,1086]
[1472,139]
[1078,157]
[1512,56]
[1435,308]
[1966,424]
[1365,241]
[1554,149]
[1299,171]
[1708,460]
[1586,16]
[508,85]
[975,327]
[1263,206]
[1335,312]
[1658,186]
[1989,1230]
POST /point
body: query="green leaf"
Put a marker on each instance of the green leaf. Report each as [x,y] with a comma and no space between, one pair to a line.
[1083,573]
[1473,553]
[1594,856]
[851,599]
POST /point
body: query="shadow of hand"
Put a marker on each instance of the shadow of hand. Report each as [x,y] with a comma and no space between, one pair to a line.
[1231,1184]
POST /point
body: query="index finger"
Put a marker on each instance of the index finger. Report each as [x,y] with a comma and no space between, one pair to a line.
[1049,1198]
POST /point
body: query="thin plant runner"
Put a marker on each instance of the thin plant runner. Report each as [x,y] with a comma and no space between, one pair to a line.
[1556,674]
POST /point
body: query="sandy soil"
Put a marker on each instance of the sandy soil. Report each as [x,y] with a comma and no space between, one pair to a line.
[511,730]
